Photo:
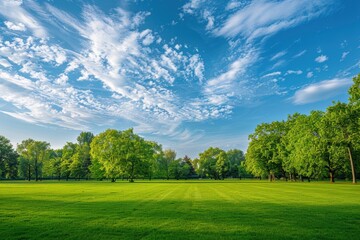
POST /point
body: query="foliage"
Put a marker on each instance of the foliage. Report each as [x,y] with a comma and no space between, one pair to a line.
[33,155]
[311,146]
[264,154]
[8,159]
[213,163]
[122,153]
[68,152]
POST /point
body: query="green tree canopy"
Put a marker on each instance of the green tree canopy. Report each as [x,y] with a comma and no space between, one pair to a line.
[8,159]
[122,153]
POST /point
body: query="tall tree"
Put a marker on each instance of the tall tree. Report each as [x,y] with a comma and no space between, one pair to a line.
[301,146]
[175,170]
[222,165]
[81,160]
[105,148]
[8,159]
[152,165]
[188,161]
[68,151]
[136,154]
[235,157]
[85,138]
[213,163]
[332,154]
[122,153]
[169,156]
[25,159]
[344,123]
[36,152]
[263,156]
[52,167]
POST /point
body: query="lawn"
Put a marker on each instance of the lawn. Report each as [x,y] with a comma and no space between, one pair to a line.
[179,210]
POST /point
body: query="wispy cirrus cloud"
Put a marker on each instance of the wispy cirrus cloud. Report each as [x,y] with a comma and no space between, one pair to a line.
[343,56]
[245,23]
[278,55]
[272,74]
[230,83]
[296,72]
[321,91]
[263,18]
[299,54]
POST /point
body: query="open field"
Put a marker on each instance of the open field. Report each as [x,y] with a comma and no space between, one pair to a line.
[179,210]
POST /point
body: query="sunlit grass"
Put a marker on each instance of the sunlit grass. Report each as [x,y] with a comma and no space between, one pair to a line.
[179,210]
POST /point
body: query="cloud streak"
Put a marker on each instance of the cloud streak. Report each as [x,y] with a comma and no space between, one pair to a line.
[321,91]
[264,18]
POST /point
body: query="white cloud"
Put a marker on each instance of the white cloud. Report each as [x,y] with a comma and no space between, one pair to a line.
[297,72]
[15,12]
[278,55]
[233,5]
[196,67]
[300,54]
[62,79]
[230,85]
[321,59]
[191,6]
[237,67]
[44,103]
[147,36]
[272,74]
[112,52]
[309,74]
[343,56]
[200,9]
[263,18]
[5,63]
[209,18]
[16,27]
[21,50]
[321,91]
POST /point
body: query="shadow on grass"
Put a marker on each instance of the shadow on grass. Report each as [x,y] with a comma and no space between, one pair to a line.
[27,218]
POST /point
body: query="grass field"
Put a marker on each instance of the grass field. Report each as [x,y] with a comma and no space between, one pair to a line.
[179,210]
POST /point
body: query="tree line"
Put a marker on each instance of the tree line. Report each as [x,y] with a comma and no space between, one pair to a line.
[113,155]
[310,146]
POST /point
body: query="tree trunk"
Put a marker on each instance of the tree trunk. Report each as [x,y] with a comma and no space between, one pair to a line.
[132,173]
[270,177]
[113,180]
[36,171]
[29,172]
[332,177]
[352,165]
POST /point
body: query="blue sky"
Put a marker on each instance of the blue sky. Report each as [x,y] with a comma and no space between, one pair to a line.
[188,74]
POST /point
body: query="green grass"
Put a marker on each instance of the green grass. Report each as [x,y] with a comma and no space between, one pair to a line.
[179,210]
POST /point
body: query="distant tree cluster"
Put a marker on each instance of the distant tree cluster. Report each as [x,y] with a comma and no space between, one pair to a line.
[112,155]
[310,146]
